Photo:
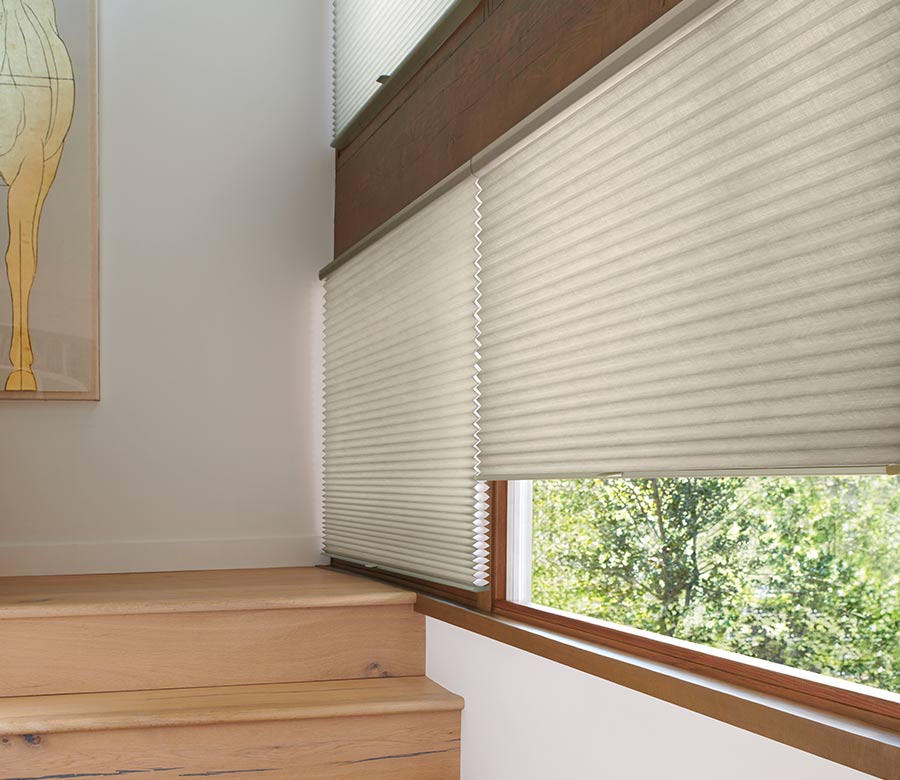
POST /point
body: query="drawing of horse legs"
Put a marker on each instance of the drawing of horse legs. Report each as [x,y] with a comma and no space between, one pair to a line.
[27,193]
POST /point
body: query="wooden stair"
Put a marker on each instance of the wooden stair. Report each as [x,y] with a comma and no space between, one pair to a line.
[116,632]
[281,673]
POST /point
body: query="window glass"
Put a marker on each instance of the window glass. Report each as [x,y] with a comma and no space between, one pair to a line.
[371,39]
[803,571]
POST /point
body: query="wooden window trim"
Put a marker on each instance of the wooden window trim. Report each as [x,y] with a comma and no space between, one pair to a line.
[879,708]
[852,742]
[840,721]
[504,61]
[869,705]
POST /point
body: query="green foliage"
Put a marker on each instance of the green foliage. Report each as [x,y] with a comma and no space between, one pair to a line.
[803,571]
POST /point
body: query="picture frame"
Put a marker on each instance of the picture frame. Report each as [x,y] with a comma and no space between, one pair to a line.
[49,201]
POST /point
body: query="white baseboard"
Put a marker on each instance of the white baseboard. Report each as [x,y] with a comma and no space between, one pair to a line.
[168,555]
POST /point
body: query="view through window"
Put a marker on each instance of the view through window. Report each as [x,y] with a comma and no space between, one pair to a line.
[802,571]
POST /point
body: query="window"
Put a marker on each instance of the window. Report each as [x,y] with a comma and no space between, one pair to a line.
[688,301]
[377,45]
[801,571]
[660,319]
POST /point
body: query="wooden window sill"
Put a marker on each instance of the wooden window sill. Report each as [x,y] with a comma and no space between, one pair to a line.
[864,745]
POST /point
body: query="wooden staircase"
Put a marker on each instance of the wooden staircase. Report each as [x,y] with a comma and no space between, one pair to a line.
[276,673]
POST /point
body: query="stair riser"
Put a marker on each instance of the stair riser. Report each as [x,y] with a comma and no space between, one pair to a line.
[182,650]
[416,746]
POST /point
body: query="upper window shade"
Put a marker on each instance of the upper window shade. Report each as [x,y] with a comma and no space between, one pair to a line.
[401,400]
[371,39]
[696,268]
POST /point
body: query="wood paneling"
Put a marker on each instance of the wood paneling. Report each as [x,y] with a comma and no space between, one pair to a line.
[854,743]
[127,652]
[503,62]
[190,591]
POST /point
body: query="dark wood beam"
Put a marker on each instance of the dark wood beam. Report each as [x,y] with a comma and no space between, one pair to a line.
[505,60]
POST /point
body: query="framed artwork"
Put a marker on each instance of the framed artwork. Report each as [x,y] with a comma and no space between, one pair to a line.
[48,200]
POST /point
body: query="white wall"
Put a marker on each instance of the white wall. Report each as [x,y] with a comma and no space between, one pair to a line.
[527,718]
[216,212]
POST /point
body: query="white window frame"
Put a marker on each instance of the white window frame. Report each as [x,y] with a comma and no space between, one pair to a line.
[519,541]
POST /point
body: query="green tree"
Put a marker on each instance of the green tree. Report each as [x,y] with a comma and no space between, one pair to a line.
[801,571]
[827,574]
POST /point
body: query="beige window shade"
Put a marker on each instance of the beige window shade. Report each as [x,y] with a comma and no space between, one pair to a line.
[696,268]
[401,400]
[371,39]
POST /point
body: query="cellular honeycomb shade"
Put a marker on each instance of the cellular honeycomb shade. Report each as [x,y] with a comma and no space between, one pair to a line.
[371,38]
[401,400]
[696,267]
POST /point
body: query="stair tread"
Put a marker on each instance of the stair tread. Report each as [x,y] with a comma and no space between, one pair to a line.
[225,704]
[191,591]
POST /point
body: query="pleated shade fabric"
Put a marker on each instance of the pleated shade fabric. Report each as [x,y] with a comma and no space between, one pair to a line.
[401,400]
[696,268]
[371,38]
